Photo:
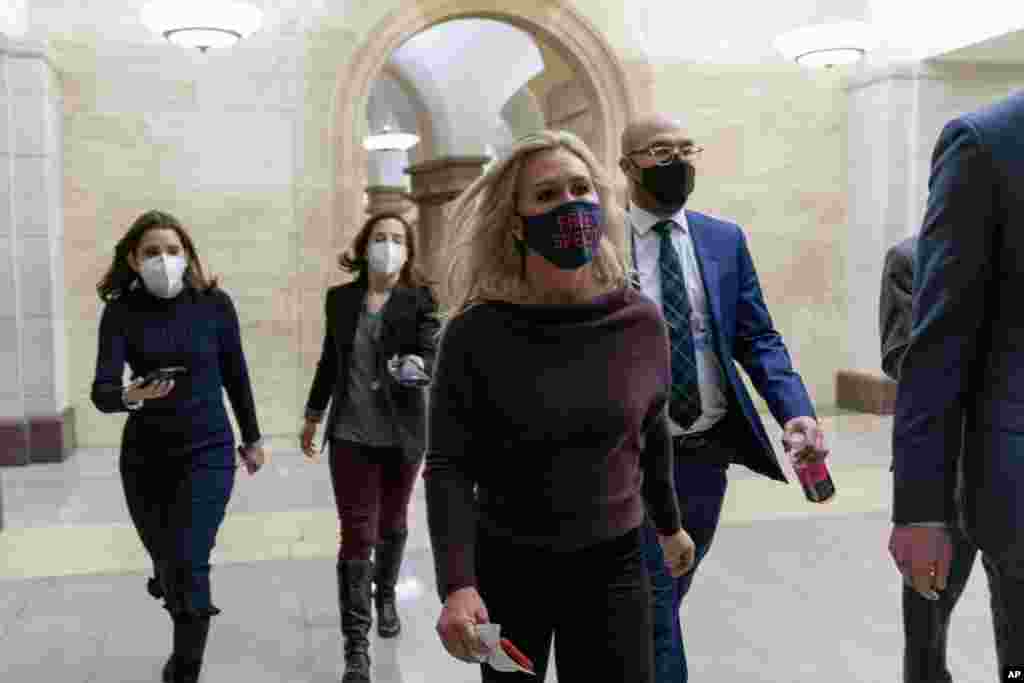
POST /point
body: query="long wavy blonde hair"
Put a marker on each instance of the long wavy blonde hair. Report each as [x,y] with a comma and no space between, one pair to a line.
[480,254]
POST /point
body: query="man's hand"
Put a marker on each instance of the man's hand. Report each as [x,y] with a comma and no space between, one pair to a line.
[922,554]
[804,439]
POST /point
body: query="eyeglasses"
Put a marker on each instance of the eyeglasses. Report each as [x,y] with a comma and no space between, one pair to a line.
[664,154]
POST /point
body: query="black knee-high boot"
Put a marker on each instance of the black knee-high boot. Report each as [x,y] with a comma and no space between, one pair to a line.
[388,562]
[354,578]
[185,663]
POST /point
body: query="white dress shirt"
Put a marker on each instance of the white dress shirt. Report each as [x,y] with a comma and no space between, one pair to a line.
[710,377]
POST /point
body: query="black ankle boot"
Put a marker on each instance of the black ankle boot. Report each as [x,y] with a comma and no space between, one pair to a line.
[388,562]
[354,578]
[185,663]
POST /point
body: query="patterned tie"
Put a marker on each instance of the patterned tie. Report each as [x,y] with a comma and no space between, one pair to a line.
[684,405]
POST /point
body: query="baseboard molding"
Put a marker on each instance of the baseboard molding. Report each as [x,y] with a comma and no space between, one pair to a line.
[14,442]
[865,392]
[37,439]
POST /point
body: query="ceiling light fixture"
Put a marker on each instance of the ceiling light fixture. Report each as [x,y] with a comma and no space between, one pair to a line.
[827,45]
[390,138]
[202,24]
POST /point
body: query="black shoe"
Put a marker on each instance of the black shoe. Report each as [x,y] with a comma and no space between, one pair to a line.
[388,562]
[354,578]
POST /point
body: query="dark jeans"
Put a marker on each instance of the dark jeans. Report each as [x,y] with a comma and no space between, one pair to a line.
[593,602]
[372,488]
[926,623]
[701,482]
[1006,584]
[177,503]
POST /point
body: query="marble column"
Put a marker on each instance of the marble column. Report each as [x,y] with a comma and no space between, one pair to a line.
[435,184]
[895,116]
[388,199]
[35,420]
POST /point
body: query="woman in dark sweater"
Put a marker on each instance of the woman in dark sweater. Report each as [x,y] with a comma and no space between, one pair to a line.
[547,425]
[178,448]
[380,336]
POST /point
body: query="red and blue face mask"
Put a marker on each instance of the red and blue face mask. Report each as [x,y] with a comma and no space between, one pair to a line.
[568,235]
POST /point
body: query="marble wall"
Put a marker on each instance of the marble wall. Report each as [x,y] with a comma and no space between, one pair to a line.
[219,142]
[775,163]
[239,144]
[895,117]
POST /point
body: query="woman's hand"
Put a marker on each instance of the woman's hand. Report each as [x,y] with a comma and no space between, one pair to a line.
[135,392]
[679,552]
[306,439]
[462,611]
[253,457]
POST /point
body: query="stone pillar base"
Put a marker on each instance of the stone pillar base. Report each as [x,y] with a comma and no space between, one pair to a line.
[38,439]
[13,442]
[865,392]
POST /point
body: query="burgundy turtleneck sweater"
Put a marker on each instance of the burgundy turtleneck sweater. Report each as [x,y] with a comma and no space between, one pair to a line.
[537,423]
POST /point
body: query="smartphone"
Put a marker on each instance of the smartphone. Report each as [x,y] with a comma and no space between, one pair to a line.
[162,374]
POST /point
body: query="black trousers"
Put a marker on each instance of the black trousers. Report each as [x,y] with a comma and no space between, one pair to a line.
[926,622]
[177,502]
[594,603]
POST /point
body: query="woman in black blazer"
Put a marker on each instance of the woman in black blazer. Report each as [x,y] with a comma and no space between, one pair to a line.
[380,334]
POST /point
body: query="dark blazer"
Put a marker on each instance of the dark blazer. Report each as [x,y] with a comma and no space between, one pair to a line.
[894,304]
[408,327]
[964,365]
[743,331]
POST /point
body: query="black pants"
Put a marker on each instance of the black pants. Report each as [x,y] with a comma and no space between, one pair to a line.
[594,602]
[1006,584]
[926,622]
[177,503]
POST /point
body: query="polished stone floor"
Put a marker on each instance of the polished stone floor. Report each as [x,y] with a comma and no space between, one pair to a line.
[791,592]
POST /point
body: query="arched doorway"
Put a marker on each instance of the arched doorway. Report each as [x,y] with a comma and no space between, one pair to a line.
[554,22]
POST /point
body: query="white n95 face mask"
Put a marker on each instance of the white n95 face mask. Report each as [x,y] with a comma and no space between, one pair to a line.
[163,275]
[386,257]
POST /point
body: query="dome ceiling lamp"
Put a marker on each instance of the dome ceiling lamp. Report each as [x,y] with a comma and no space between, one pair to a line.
[389,137]
[201,24]
[827,45]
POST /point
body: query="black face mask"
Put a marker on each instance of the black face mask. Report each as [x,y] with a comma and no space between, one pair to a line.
[671,184]
[568,235]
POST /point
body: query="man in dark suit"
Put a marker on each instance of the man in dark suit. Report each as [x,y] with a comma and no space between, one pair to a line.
[925,622]
[699,270]
[960,403]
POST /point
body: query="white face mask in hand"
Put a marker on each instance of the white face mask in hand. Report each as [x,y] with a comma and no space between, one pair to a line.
[386,257]
[163,275]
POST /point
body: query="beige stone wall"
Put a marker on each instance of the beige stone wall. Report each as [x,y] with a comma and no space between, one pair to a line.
[239,145]
[775,163]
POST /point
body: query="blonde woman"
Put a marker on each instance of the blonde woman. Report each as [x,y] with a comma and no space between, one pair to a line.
[547,425]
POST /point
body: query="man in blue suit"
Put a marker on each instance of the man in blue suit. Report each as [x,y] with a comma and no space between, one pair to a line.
[960,402]
[699,270]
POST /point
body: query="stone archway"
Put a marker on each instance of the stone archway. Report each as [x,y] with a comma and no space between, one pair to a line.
[554,21]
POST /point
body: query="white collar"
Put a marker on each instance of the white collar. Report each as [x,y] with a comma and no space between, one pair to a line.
[644,220]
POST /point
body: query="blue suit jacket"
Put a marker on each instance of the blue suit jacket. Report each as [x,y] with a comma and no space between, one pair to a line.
[962,381]
[743,332]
